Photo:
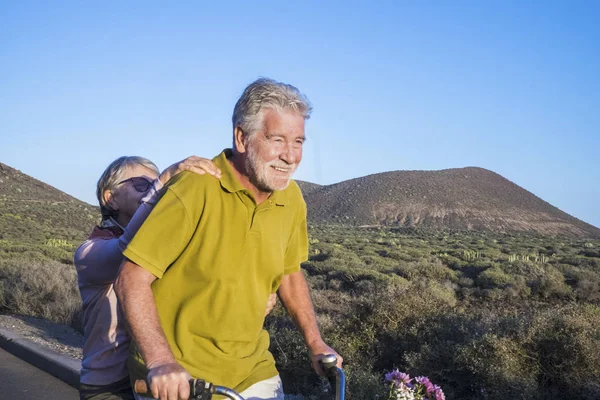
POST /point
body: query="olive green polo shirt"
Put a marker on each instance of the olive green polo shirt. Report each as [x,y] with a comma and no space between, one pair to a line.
[218,257]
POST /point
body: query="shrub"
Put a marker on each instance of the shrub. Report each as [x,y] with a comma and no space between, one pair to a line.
[494,277]
[45,289]
[565,342]
[500,366]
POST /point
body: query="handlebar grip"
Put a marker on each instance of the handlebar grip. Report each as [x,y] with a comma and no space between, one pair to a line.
[328,362]
[336,375]
[140,386]
[199,389]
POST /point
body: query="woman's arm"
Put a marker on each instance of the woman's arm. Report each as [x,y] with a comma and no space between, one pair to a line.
[98,260]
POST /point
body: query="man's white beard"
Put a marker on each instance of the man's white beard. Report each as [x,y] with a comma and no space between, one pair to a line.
[258,173]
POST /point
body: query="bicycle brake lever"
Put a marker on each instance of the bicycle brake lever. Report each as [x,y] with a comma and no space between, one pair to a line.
[200,389]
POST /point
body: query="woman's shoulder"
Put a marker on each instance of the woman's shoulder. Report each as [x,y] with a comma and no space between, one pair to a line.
[93,245]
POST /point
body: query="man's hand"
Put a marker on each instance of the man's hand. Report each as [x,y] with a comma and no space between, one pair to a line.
[317,351]
[169,382]
[195,164]
[166,378]
[271,303]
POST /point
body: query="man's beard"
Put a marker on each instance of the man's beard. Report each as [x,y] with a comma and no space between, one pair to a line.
[260,173]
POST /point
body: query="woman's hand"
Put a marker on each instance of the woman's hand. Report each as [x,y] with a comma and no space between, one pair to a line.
[195,164]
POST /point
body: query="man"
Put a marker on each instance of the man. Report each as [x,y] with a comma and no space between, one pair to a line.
[199,271]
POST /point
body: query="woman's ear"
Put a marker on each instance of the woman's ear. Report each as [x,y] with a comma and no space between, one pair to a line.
[109,200]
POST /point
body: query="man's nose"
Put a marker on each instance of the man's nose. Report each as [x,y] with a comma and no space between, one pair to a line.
[288,154]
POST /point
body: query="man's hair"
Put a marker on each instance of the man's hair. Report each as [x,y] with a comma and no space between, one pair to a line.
[265,93]
[113,174]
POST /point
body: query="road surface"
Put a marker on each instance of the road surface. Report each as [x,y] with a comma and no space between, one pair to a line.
[20,380]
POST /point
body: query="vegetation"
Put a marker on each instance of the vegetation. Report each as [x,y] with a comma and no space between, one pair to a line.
[485,316]
[33,212]
[39,280]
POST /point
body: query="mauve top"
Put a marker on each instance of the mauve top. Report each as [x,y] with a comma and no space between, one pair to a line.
[97,260]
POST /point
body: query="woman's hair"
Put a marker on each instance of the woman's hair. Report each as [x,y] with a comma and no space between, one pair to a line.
[113,174]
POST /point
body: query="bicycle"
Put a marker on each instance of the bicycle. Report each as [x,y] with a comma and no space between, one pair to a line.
[202,390]
[336,376]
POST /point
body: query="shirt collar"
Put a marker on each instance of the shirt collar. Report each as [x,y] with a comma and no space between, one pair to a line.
[228,180]
[230,183]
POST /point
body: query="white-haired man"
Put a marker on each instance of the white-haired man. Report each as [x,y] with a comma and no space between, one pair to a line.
[200,270]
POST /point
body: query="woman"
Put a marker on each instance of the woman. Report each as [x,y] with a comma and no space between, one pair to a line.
[127,192]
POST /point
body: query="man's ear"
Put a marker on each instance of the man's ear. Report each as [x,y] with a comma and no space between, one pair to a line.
[239,139]
[109,200]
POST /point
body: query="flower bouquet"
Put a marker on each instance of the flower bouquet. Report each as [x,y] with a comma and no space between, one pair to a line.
[403,387]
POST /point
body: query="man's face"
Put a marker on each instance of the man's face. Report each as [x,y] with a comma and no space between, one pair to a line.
[274,152]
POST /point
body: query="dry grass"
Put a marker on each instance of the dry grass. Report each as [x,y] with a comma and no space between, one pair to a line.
[40,288]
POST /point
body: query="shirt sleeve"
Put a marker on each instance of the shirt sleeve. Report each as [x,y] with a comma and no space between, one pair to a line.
[140,215]
[98,260]
[297,250]
[163,236]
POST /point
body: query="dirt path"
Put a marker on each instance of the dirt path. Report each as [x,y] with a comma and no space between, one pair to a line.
[60,338]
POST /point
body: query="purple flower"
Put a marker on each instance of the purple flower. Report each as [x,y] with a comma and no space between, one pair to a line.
[423,380]
[397,377]
[439,395]
[390,376]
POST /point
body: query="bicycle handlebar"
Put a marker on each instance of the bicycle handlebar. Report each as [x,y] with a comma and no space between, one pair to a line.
[336,375]
[199,389]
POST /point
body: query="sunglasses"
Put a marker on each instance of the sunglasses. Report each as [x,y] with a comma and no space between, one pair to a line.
[139,184]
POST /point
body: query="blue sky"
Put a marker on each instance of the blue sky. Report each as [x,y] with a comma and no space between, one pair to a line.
[510,86]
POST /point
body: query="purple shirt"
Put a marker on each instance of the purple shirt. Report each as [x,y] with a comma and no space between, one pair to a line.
[97,260]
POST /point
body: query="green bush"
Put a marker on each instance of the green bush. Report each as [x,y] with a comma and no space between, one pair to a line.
[495,277]
[501,366]
[45,289]
[566,342]
[449,305]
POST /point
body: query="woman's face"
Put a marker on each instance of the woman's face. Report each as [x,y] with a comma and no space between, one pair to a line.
[129,192]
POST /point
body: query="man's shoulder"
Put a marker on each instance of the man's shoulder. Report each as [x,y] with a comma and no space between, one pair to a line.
[190,183]
[293,185]
[292,194]
[294,188]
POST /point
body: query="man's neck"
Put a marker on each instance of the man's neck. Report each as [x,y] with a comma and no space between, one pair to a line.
[240,173]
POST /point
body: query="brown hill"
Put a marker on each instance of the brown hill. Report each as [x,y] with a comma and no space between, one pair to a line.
[308,187]
[33,211]
[462,198]
[465,198]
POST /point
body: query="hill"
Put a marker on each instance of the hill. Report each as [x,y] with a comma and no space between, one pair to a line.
[32,211]
[308,187]
[444,305]
[460,199]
